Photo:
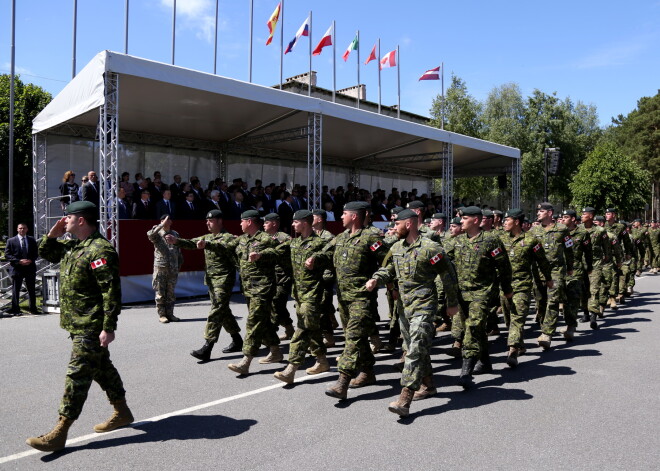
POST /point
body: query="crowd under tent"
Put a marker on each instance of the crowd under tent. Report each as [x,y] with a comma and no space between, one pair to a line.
[123,113]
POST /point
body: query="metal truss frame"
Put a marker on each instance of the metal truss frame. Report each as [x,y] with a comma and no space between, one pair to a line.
[515,183]
[314,159]
[108,135]
[40,201]
[448,179]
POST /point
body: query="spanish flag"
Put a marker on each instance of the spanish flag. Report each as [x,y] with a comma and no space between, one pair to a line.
[272,23]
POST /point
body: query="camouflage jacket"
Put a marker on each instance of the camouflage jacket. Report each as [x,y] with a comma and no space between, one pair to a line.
[282,270]
[165,255]
[426,231]
[415,267]
[220,261]
[329,273]
[480,262]
[601,248]
[654,237]
[618,253]
[582,253]
[355,257]
[556,239]
[622,236]
[641,241]
[258,278]
[90,288]
[524,250]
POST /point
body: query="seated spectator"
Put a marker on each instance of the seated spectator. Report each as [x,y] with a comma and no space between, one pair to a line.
[166,207]
[144,208]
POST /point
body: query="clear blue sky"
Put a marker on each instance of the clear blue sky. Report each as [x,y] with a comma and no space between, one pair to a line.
[603,53]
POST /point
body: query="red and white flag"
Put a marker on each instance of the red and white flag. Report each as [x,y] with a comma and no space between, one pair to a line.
[388,60]
[98,263]
[431,74]
[376,246]
[326,40]
[495,252]
[435,259]
[372,56]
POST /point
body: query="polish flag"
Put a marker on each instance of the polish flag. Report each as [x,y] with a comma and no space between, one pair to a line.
[326,40]
[272,22]
[372,56]
[432,74]
[388,60]
[303,31]
[98,263]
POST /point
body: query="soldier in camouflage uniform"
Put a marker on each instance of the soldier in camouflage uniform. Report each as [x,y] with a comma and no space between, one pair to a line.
[392,294]
[167,262]
[524,249]
[418,207]
[620,233]
[480,261]
[258,281]
[328,319]
[606,297]
[284,282]
[601,249]
[414,261]
[307,291]
[556,239]
[457,321]
[442,320]
[641,238]
[654,235]
[356,254]
[220,278]
[582,264]
[90,297]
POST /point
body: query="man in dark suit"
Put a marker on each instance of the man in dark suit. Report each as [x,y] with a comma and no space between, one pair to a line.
[144,208]
[90,190]
[165,207]
[188,208]
[213,202]
[286,211]
[123,211]
[21,252]
[237,207]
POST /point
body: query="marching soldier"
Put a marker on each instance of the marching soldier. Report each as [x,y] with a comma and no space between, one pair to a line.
[601,249]
[167,262]
[623,240]
[328,319]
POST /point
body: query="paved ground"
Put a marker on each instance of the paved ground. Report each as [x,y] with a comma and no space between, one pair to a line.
[591,404]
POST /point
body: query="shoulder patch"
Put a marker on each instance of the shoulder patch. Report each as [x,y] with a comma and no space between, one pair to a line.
[98,263]
[568,242]
[436,258]
[496,252]
[376,246]
[537,247]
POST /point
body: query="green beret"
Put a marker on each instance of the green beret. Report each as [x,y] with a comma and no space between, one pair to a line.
[250,214]
[456,221]
[487,213]
[526,219]
[588,209]
[302,214]
[515,213]
[570,213]
[439,216]
[320,212]
[545,206]
[365,206]
[354,206]
[600,218]
[471,211]
[497,212]
[390,225]
[610,210]
[637,220]
[427,221]
[81,207]
[396,210]
[272,217]
[406,214]
[417,204]
[214,214]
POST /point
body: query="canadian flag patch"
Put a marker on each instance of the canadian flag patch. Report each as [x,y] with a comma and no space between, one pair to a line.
[98,263]
[568,242]
[376,246]
[614,241]
[435,259]
[496,252]
[537,247]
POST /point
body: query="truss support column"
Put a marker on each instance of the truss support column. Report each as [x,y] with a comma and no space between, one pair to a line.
[515,183]
[221,162]
[108,132]
[314,159]
[448,179]
[40,202]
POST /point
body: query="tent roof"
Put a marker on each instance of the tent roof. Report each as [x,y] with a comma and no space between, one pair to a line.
[166,100]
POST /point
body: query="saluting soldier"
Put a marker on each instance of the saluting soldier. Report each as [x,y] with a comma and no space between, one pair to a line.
[167,262]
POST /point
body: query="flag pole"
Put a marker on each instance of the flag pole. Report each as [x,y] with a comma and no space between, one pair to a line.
[358,68]
[309,81]
[378,59]
[334,61]
[126,29]
[173,29]
[75,28]
[12,70]
[215,43]
[281,41]
[398,82]
[442,109]
[251,27]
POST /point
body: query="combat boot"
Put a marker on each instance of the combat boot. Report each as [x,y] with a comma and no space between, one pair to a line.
[236,344]
[465,379]
[512,357]
[53,440]
[288,375]
[444,327]
[275,356]
[544,341]
[585,317]
[402,405]
[612,303]
[399,364]
[593,324]
[376,343]
[629,291]
[163,320]
[288,332]
[242,367]
[328,339]
[365,378]
[568,332]
[483,365]
[340,388]
[121,417]
[455,349]
[426,390]
[601,313]
[173,318]
[204,353]
[321,366]
[620,299]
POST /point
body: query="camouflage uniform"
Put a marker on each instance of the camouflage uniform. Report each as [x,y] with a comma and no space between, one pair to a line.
[220,278]
[620,232]
[601,249]
[556,239]
[167,262]
[356,256]
[90,301]
[280,315]
[582,264]
[329,279]
[610,272]
[458,321]
[479,262]
[524,250]
[654,235]
[415,266]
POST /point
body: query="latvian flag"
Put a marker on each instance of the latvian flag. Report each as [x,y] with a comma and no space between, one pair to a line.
[98,263]
[303,31]
[432,74]
[435,259]
[388,60]
[326,40]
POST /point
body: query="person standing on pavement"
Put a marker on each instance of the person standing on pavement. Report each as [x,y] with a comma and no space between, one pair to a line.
[167,262]
[21,253]
[328,319]
[90,300]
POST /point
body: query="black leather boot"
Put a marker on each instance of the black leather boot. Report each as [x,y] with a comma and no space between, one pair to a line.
[204,353]
[483,366]
[236,344]
[465,380]
[593,324]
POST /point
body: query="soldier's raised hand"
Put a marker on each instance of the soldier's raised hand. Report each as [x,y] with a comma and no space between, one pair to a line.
[58,229]
[171,239]
[201,244]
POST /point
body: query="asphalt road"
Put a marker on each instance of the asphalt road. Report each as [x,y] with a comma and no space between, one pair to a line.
[590,404]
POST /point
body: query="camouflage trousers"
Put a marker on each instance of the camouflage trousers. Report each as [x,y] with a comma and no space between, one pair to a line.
[359,326]
[518,309]
[627,279]
[89,362]
[458,325]
[327,308]
[548,302]
[163,282]
[280,315]
[441,314]
[597,284]
[418,331]
[574,288]
[609,273]
[259,329]
[615,281]
[307,335]
[475,340]
[220,289]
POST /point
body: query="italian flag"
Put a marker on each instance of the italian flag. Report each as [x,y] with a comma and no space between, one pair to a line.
[351,47]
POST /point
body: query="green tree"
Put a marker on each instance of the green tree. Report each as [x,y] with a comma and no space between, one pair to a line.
[29,100]
[608,178]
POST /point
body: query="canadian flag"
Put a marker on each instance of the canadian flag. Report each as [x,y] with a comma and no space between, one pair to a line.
[436,258]
[537,247]
[98,263]
[376,246]
[388,60]
[568,242]
[496,252]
